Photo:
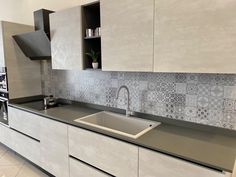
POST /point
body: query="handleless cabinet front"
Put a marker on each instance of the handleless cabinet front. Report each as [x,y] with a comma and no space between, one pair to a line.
[66,39]
[153,164]
[81,169]
[195,36]
[127,35]
[112,156]
[54,148]
[25,146]
[24,122]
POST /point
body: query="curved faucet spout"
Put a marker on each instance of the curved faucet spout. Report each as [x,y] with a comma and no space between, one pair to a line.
[128,111]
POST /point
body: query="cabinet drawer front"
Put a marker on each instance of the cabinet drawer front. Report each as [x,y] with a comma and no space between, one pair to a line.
[110,155]
[6,136]
[78,168]
[153,164]
[24,122]
[26,147]
[54,148]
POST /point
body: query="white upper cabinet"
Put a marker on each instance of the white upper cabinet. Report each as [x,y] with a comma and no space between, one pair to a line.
[66,39]
[127,35]
[195,36]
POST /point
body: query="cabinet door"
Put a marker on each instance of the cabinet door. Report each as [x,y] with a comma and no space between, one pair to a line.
[80,169]
[153,164]
[54,148]
[6,136]
[112,156]
[195,36]
[27,147]
[66,39]
[127,35]
[24,122]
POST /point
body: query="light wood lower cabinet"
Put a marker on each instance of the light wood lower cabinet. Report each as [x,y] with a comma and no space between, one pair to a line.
[112,156]
[80,169]
[24,122]
[6,136]
[153,164]
[25,146]
[54,147]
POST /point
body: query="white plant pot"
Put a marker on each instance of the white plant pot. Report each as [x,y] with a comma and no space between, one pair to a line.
[95,65]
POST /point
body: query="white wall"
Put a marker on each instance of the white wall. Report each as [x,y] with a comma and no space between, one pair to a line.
[21,11]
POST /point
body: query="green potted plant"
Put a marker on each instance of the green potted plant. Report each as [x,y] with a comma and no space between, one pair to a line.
[94,56]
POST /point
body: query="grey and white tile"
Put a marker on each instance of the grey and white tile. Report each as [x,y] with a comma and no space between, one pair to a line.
[201,98]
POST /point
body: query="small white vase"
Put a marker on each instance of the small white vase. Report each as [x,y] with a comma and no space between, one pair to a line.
[95,65]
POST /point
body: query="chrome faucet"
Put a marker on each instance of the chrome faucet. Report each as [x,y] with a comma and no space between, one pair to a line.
[128,111]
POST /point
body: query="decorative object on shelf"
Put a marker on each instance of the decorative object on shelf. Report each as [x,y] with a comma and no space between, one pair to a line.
[89,32]
[97,31]
[94,56]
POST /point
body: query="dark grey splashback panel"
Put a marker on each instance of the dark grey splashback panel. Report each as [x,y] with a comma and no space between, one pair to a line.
[201,98]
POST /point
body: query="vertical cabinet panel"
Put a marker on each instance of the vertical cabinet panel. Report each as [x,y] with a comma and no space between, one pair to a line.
[66,39]
[195,36]
[82,170]
[127,35]
[6,136]
[2,57]
[112,156]
[153,164]
[54,148]
[21,81]
[234,170]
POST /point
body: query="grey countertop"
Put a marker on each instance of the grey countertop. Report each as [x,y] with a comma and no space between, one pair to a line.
[211,149]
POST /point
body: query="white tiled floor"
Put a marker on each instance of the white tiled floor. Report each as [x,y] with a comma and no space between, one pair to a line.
[11,165]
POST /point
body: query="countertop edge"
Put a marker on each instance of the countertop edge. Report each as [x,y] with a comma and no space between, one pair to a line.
[194,161]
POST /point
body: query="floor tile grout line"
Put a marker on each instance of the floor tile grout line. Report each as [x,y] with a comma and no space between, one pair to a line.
[4,153]
[21,168]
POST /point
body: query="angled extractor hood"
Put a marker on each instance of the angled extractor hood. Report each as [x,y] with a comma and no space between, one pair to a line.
[36,45]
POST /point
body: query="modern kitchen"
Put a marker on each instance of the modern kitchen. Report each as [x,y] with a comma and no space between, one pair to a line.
[111,88]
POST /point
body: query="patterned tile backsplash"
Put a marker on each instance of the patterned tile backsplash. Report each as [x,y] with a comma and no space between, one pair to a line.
[201,98]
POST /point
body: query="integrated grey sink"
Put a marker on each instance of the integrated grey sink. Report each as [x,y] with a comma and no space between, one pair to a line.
[132,127]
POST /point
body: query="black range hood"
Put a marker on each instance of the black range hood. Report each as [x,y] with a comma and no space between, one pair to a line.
[36,45]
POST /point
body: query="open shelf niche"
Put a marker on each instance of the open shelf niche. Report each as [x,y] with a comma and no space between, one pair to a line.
[91,20]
